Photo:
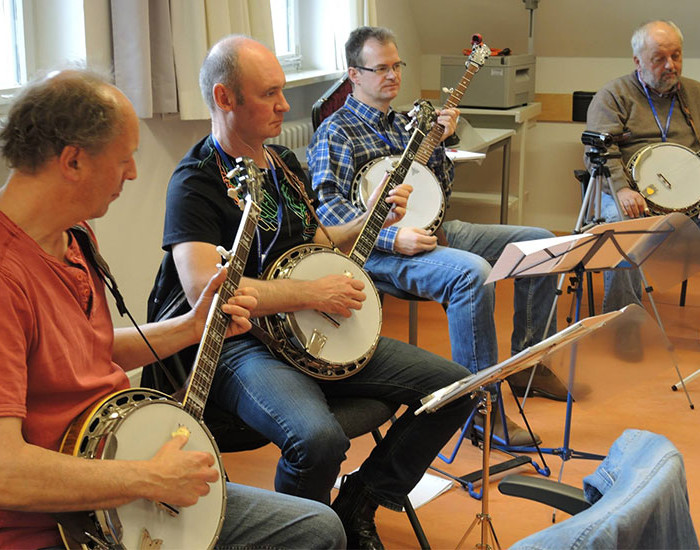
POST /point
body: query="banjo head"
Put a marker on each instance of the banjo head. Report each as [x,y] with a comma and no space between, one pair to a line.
[326,346]
[668,177]
[426,204]
[133,425]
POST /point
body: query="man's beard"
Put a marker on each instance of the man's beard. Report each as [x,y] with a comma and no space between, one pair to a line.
[661,85]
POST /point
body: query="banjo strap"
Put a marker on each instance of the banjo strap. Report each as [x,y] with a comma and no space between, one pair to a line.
[686,111]
[89,249]
[297,184]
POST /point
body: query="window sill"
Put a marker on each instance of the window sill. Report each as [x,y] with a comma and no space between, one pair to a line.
[302,78]
[7,96]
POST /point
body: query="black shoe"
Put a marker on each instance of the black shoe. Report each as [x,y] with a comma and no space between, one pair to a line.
[356,511]
[544,384]
[517,436]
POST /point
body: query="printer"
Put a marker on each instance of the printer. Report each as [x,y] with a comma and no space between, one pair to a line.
[503,81]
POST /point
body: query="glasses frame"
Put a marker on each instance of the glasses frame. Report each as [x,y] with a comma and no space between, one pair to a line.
[396,68]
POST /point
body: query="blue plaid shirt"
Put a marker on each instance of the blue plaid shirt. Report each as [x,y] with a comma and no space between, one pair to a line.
[345,142]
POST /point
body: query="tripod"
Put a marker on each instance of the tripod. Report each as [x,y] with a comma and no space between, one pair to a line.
[483,518]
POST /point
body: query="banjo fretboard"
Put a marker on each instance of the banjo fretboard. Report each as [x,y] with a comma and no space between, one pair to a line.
[217,322]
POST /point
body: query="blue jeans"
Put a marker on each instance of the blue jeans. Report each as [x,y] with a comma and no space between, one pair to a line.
[622,286]
[290,408]
[455,276]
[256,518]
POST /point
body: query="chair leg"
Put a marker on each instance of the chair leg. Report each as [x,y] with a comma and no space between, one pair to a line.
[413,322]
[684,289]
[408,508]
[415,523]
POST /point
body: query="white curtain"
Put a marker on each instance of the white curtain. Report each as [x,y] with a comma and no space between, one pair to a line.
[367,12]
[159,47]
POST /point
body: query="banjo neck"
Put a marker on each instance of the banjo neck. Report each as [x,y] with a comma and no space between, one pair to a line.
[217,322]
[377,215]
[432,140]
[480,52]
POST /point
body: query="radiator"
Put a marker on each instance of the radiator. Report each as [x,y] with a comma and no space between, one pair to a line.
[294,134]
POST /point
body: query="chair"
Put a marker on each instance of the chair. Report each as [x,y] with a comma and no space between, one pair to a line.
[356,415]
[332,100]
[636,498]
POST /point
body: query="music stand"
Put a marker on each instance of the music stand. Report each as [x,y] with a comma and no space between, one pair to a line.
[668,240]
[619,245]
[480,381]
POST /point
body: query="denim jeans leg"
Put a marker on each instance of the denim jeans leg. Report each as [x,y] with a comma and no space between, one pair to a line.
[452,277]
[533,296]
[404,374]
[289,408]
[256,518]
[622,286]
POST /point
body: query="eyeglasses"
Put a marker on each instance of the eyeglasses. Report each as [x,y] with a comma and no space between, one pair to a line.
[383,70]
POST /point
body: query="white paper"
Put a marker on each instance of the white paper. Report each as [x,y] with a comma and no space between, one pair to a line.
[458,155]
[429,487]
[540,256]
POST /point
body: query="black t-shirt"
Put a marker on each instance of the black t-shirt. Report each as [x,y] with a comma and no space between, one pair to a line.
[198,209]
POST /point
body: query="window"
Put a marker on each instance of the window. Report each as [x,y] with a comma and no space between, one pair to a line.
[285,17]
[13,70]
[310,34]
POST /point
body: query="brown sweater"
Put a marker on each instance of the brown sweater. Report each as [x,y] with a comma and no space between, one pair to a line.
[621,106]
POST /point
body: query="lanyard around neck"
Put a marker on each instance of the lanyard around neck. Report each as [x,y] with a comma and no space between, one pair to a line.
[664,131]
[262,255]
[371,128]
[225,158]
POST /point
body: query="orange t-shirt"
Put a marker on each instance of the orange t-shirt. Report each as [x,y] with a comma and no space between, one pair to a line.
[55,357]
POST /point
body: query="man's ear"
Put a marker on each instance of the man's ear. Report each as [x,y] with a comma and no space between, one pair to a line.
[353,75]
[70,161]
[636,61]
[223,97]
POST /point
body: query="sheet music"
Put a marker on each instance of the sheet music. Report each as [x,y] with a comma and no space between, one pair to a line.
[540,256]
[526,358]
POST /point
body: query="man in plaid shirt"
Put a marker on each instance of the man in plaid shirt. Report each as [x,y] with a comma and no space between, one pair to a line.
[449,266]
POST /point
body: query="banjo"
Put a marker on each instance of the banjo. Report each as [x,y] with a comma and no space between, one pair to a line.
[333,347]
[133,424]
[427,203]
[668,177]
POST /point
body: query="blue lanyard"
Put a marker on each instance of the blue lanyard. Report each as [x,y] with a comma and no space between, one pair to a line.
[224,156]
[664,131]
[261,255]
[372,128]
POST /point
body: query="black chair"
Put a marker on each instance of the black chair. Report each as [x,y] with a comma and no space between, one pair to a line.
[357,416]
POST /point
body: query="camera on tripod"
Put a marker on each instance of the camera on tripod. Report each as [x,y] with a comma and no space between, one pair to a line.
[602,140]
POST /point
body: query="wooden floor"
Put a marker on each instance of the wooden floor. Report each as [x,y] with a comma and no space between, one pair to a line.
[641,400]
